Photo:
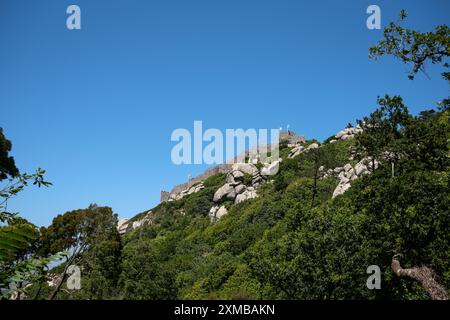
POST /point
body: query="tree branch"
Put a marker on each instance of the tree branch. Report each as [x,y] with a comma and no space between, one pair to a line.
[424,275]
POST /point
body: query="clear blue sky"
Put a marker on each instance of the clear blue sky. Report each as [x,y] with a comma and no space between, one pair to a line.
[96,107]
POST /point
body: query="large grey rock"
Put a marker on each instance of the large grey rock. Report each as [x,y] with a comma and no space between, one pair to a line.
[344,180]
[338,169]
[122,226]
[348,167]
[212,212]
[360,168]
[238,175]
[239,189]
[247,194]
[271,169]
[226,191]
[146,219]
[216,212]
[312,146]
[246,168]
[235,177]
[340,134]
[221,212]
[230,179]
[350,173]
[347,133]
[340,189]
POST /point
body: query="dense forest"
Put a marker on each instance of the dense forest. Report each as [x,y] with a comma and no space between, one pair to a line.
[294,241]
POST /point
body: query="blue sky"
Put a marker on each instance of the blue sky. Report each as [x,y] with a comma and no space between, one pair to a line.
[96,107]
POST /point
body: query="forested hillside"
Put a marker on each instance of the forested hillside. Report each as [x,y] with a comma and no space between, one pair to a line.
[377,193]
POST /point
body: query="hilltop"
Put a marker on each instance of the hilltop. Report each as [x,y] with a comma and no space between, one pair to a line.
[309,231]
[361,215]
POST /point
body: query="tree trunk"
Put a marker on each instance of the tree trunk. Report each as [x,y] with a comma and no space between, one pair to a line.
[424,275]
[64,273]
[60,282]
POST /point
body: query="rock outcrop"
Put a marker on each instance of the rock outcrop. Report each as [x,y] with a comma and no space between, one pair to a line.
[193,189]
[244,179]
[225,192]
[194,184]
[299,149]
[347,133]
[122,226]
[347,174]
[271,169]
[217,212]
[248,193]
[125,225]
[241,184]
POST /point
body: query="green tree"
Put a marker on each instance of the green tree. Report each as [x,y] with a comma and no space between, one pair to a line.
[92,241]
[18,263]
[7,163]
[414,47]
[144,275]
[382,129]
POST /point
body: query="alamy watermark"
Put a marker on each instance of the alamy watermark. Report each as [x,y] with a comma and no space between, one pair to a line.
[374,280]
[74,279]
[213,146]
[73,21]
[374,20]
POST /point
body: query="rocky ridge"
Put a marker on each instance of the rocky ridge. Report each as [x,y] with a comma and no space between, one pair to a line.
[244,179]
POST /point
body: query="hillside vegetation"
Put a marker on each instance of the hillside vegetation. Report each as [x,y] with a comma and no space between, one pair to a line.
[294,241]
[378,196]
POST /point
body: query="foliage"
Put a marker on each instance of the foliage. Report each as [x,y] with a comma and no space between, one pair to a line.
[18,237]
[292,242]
[144,276]
[382,129]
[7,163]
[414,47]
[93,243]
